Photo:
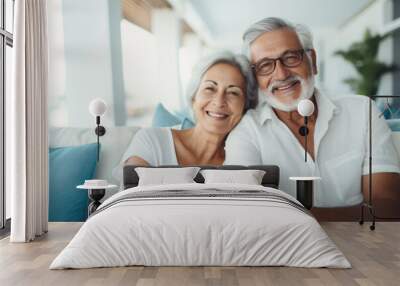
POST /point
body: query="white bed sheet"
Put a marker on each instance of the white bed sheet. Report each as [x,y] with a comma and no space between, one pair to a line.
[200,231]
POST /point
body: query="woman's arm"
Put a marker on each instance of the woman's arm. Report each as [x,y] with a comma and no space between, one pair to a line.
[135,160]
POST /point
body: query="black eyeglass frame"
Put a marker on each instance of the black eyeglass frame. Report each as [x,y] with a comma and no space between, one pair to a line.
[300,52]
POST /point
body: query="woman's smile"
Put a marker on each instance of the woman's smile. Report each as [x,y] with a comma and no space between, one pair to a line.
[217,115]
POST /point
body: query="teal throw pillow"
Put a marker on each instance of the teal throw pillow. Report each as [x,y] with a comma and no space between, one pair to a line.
[187,123]
[164,118]
[394,124]
[68,168]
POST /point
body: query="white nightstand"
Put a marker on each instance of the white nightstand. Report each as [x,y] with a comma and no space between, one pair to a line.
[96,191]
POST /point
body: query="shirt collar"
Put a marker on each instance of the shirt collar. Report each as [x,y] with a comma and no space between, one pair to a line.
[263,110]
[326,108]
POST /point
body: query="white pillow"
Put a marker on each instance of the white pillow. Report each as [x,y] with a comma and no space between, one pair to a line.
[163,176]
[248,177]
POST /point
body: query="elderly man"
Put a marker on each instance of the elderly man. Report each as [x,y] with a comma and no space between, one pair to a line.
[284,65]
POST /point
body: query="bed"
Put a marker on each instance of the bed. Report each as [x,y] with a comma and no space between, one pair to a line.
[201,224]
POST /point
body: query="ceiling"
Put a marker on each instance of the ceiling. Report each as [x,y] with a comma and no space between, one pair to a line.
[226,20]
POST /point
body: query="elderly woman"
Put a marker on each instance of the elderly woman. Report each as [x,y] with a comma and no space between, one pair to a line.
[218,98]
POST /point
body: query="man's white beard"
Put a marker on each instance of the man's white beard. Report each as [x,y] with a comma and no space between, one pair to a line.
[307,91]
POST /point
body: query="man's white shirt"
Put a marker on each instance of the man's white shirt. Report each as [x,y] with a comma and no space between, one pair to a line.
[341,143]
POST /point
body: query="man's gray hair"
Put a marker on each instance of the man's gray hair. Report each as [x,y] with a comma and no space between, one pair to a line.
[272,24]
[226,57]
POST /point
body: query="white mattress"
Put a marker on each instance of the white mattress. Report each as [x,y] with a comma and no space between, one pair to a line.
[185,231]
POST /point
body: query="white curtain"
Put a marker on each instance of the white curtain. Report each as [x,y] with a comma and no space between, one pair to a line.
[27,151]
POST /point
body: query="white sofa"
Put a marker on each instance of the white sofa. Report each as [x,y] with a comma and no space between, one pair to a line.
[113,145]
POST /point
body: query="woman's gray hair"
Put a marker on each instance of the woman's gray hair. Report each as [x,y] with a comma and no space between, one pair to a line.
[226,57]
[272,24]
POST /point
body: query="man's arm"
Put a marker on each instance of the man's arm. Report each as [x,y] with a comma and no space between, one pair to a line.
[384,186]
[385,194]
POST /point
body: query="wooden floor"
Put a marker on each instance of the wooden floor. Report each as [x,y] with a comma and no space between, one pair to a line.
[375,257]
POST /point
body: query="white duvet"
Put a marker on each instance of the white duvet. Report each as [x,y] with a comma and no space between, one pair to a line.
[200,231]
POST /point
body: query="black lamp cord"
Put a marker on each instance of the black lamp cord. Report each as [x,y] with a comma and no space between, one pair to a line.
[303,131]
[305,137]
[98,137]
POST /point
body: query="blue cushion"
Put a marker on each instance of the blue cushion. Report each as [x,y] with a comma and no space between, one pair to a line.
[187,123]
[184,113]
[394,124]
[68,168]
[164,118]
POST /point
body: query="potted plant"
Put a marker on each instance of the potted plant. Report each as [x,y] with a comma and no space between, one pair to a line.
[363,56]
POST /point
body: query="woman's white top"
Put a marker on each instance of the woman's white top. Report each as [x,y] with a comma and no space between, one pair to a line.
[154,145]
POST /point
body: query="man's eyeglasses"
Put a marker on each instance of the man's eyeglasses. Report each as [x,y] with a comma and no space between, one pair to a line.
[289,59]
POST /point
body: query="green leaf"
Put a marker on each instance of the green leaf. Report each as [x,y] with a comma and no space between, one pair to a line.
[362,55]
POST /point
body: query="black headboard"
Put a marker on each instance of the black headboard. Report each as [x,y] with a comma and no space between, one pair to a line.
[270,179]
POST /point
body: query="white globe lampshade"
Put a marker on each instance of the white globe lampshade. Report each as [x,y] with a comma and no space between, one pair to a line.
[305,107]
[97,107]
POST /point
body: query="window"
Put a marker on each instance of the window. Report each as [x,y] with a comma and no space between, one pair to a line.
[139,69]
[6,44]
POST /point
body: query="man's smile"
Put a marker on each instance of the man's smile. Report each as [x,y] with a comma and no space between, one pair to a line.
[286,87]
